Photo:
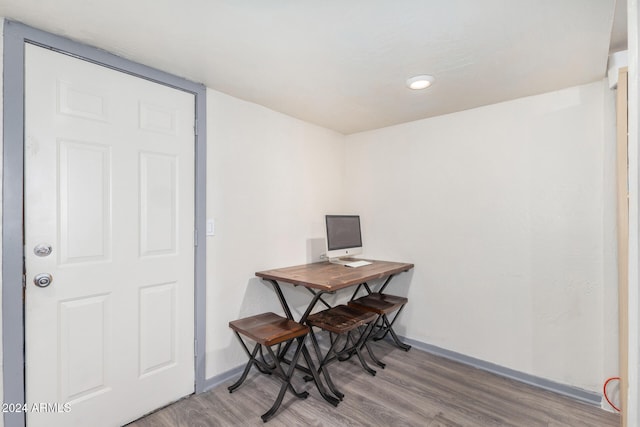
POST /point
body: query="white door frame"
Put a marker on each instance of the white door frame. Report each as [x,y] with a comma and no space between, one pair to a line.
[15,37]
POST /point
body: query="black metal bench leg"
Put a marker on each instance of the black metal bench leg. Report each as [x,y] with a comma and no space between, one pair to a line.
[403,346]
[247,368]
[357,346]
[386,327]
[373,356]
[286,378]
[364,363]
[363,342]
[316,379]
[383,328]
[279,359]
[322,362]
[262,364]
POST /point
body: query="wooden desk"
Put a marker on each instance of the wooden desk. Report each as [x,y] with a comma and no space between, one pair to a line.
[324,277]
[328,277]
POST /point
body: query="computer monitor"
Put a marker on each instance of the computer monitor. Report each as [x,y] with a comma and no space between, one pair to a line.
[344,238]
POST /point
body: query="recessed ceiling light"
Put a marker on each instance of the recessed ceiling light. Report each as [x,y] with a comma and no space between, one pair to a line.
[420,82]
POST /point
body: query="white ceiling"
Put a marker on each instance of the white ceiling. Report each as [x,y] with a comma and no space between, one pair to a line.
[342,64]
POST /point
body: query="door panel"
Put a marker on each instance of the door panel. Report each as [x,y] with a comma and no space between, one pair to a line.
[158,213]
[109,185]
[83,342]
[85,202]
[157,328]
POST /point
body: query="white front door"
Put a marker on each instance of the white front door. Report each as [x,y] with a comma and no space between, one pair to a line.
[109,187]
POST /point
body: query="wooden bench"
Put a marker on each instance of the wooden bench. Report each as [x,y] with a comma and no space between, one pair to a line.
[382,305]
[268,330]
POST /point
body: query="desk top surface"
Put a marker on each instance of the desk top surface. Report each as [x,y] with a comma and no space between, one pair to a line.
[331,277]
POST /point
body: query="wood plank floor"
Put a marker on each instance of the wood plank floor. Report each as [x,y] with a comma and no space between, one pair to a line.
[416,389]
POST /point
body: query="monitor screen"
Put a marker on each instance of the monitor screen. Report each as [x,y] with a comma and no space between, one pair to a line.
[343,235]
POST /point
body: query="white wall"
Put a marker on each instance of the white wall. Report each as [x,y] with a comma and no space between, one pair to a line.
[270,178]
[507,213]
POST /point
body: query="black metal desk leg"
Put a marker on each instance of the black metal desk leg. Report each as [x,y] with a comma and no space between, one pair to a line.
[385,284]
[283,302]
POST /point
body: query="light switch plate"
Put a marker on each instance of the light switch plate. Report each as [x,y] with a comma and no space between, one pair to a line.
[211,227]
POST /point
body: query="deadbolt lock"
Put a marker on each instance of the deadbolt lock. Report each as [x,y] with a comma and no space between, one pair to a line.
[42,250]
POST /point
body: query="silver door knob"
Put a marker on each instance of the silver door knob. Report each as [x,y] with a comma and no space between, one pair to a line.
[43,280]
